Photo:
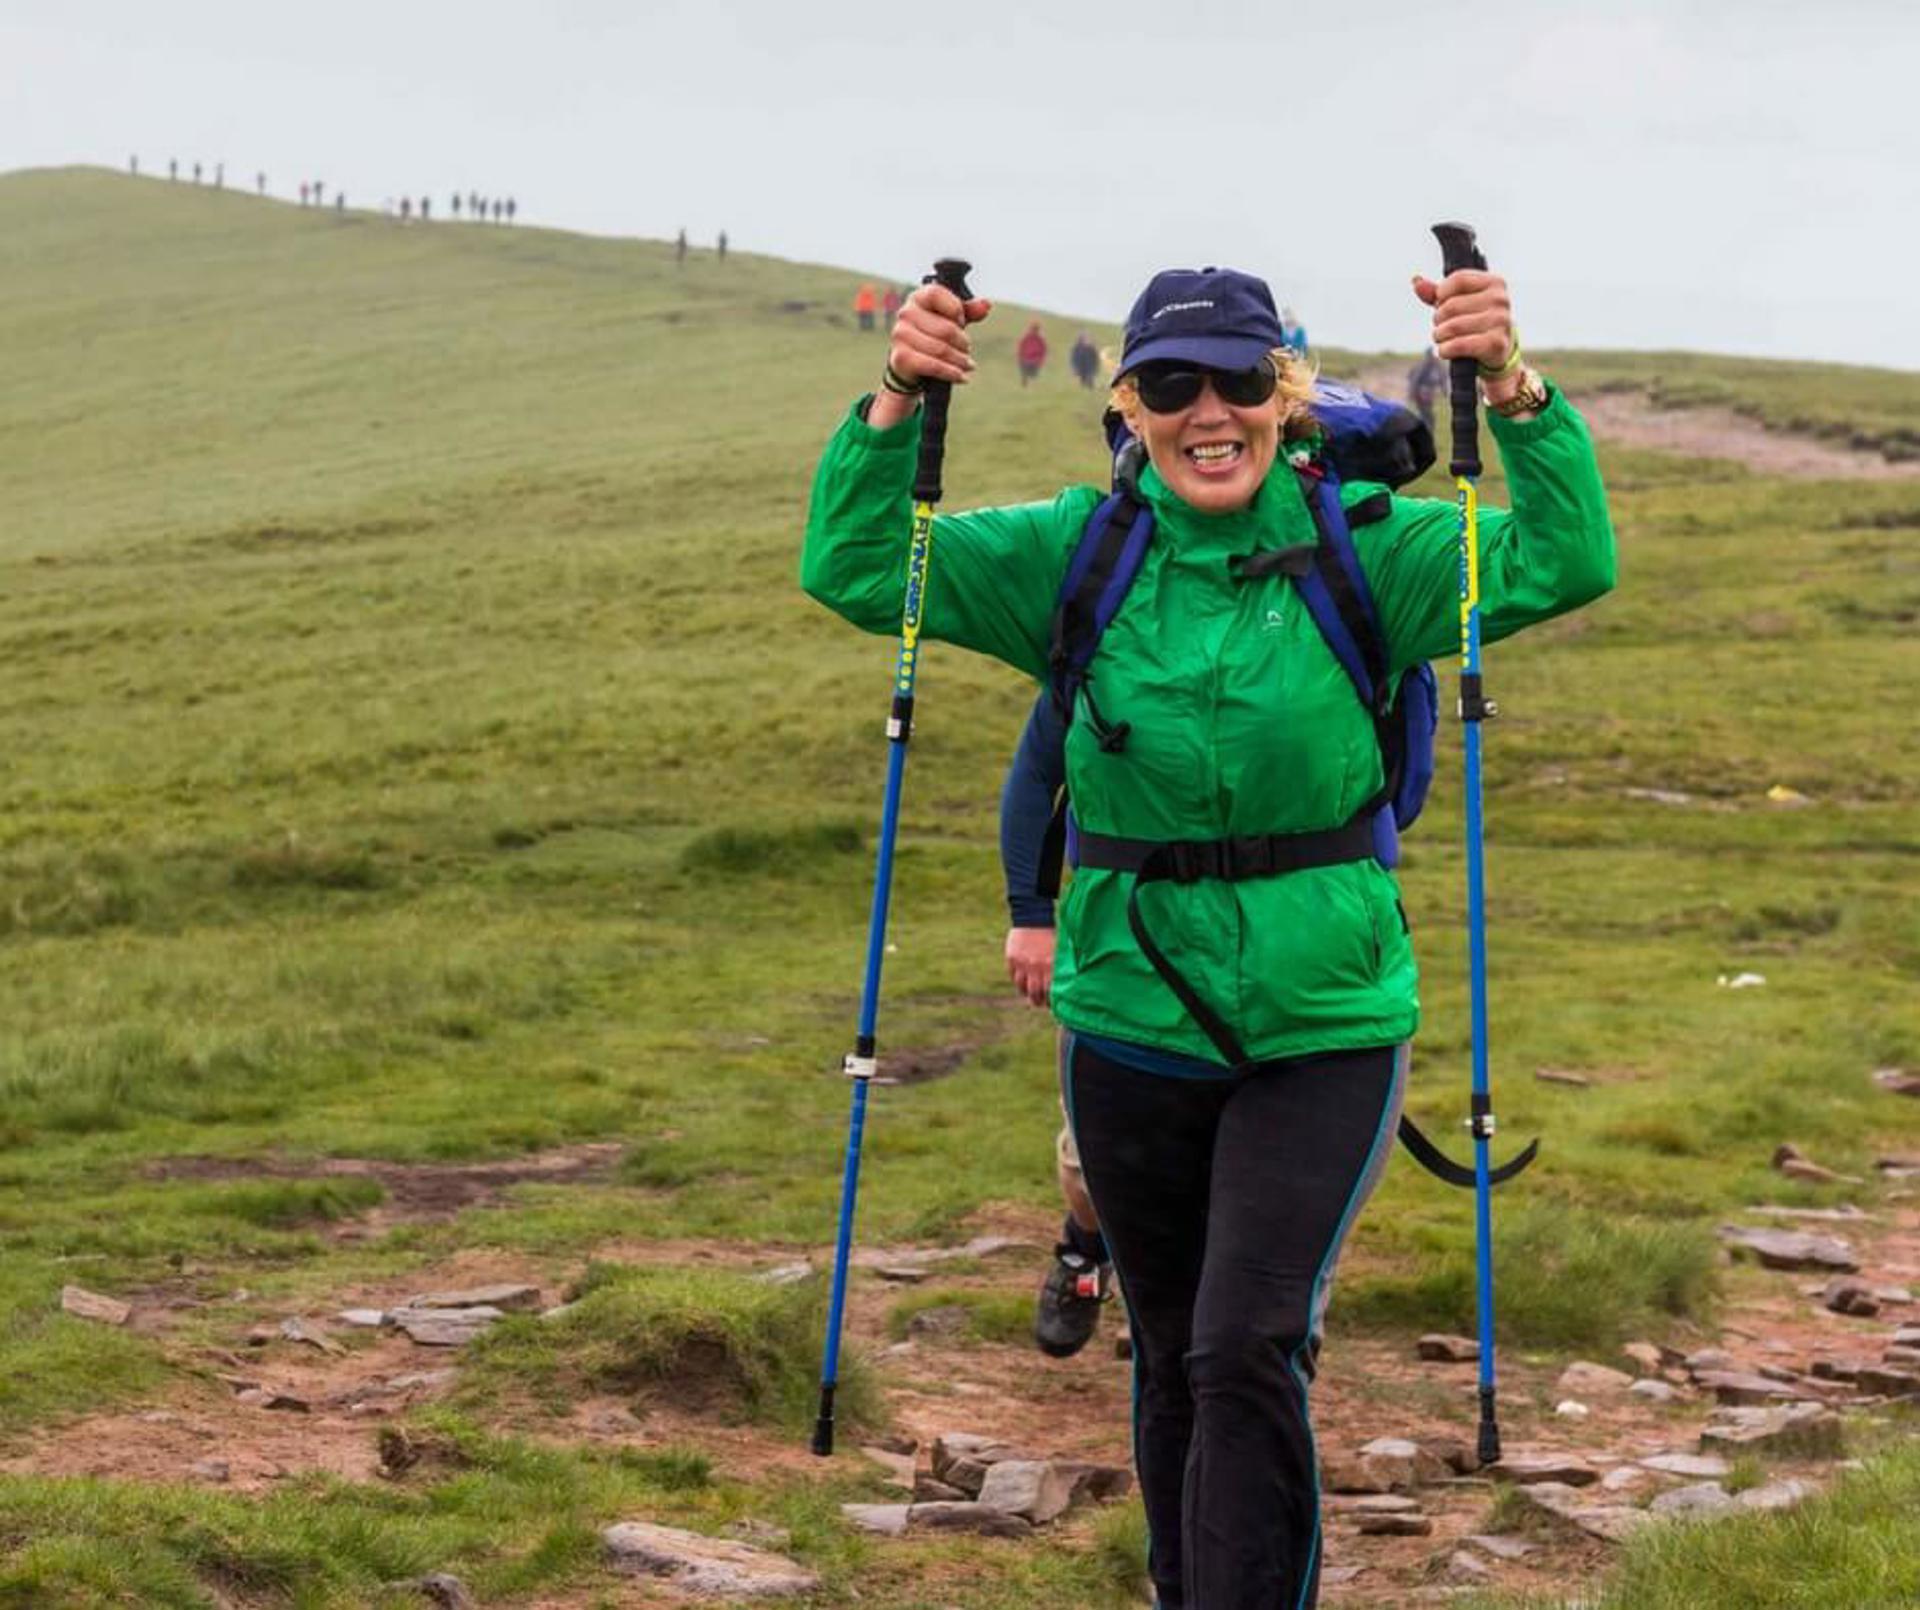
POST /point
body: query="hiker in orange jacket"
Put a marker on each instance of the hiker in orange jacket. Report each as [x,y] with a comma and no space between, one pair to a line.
[866,301]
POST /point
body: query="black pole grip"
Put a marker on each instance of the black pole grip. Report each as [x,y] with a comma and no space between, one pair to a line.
[952,273]
[1458,249]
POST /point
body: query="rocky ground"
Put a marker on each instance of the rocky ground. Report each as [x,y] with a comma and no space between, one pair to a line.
[1820,1333]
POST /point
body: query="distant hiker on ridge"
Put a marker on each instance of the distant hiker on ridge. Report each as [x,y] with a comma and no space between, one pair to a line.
[305,190]
[1032,353]
[133,166]
[406,209]
[865,301]
[426,208]
[220,176]
[196,173]
[260,183]
[1084,359]
[173,169]
[680,247]
[1294,332]
[1426,384]
[723,245]
[456,204]
[890,306]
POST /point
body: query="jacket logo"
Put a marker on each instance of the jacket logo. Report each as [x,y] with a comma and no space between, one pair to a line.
[1274,621]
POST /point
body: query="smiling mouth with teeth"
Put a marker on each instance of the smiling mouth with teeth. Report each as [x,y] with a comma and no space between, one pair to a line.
[1215,453]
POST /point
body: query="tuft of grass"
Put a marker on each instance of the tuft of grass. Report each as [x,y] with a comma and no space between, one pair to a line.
[1851,1546]
[751,851]
[68,895]
[704,1339]
[289,1204]
[292,863]
[990,1316]
[1565,1277]
[1120,1552]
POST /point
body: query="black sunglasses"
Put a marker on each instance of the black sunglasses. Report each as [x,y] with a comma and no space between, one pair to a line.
[1166,388]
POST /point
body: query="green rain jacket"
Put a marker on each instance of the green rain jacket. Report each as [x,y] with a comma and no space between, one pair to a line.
[1242,720]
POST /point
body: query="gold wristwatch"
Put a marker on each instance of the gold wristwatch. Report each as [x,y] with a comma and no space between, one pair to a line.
[1530,398]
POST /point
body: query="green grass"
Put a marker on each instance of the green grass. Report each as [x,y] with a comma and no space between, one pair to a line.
[686,1338]
[420,750]
[1853,1546]
[986,1316]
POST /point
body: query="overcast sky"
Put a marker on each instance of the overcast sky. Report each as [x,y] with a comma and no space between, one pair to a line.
[1726,175]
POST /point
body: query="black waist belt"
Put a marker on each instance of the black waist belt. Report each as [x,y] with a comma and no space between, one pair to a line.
[1265,855]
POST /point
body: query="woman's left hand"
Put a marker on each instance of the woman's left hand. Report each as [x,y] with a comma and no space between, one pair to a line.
[1472,315]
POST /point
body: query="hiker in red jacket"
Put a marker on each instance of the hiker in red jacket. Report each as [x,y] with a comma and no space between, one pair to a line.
[1032,352]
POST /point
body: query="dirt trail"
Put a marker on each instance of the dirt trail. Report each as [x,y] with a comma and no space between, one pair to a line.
[210,1429]
[1630,419]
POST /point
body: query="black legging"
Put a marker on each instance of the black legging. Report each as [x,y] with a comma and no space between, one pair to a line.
[1224,1203]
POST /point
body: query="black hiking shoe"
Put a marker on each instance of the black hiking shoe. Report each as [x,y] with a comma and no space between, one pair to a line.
[1068,1312]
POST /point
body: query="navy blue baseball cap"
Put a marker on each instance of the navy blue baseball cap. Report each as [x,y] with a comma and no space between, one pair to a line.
[1218,317]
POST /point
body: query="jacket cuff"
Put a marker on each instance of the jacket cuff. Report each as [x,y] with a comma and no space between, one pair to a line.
[902,437]
[1031,912]
[1556,416]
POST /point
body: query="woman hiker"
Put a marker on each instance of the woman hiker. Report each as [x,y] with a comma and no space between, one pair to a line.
[1214,710]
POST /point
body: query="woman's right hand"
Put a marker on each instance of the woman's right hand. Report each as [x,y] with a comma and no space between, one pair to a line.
[930,338]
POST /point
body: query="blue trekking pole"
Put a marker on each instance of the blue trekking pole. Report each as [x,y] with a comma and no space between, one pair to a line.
[861,1063]
[1458,250]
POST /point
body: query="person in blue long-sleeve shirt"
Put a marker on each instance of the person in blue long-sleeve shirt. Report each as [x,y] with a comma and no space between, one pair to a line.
[1031,820]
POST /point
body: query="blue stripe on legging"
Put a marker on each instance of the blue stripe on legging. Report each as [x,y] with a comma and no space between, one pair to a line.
[1381,1136]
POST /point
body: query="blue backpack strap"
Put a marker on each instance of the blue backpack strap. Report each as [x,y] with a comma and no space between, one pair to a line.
[1337,595]
[1102,569]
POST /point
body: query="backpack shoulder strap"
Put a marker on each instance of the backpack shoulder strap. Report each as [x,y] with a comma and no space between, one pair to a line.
[1335,590]
[1112,544]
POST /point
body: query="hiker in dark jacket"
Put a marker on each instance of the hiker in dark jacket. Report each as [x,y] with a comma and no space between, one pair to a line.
[1079,1277]
[1085,359]
[1212,711]
[1426,385]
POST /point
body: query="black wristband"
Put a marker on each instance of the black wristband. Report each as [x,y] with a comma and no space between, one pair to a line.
[892,380]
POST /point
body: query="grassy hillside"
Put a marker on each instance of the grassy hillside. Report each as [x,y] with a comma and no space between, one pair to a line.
[418,749]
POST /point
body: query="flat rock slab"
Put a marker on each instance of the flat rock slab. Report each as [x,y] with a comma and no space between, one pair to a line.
[1654,1391]
[508,1299]
[886,1520]
[1792,1249]
[444,1327]
[84,1304]
[1777,1494]
[966,1518]
[1396,1525]
[1845,1295]
[297,1329]
[1798,1428]
[1694,1466]
[705,1565]
[1588,1380]
[1530,1470]
[1740,1386]
[1702,1498]
[1885,1381]
[1503,1548]
[984,1246]
[1441,1349]
[1613,1523]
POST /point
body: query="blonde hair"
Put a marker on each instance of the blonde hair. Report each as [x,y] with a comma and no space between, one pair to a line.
[1294,393]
